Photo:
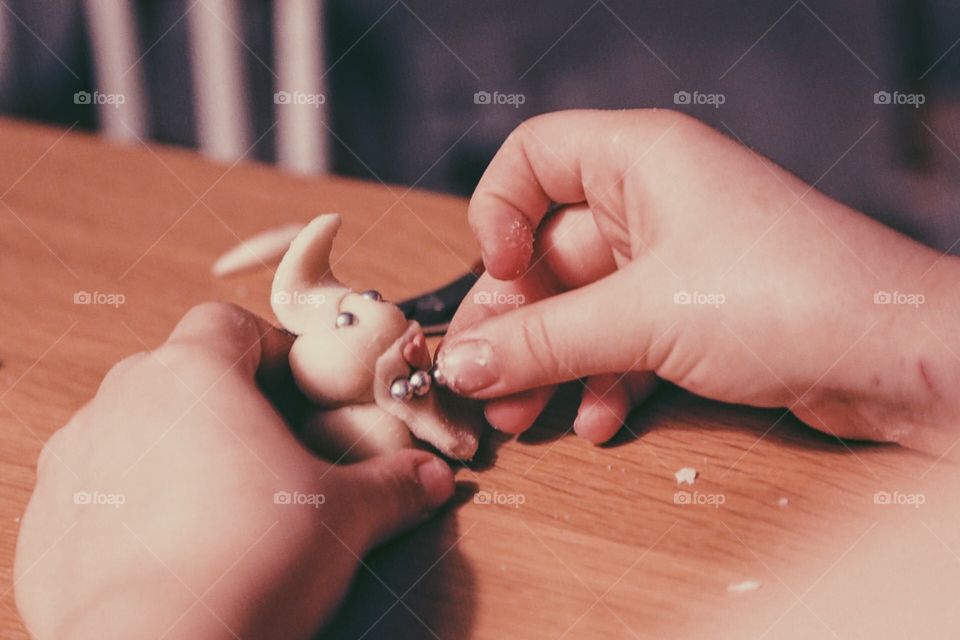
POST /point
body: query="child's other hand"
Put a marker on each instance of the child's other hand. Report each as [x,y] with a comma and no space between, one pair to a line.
[178,502]
[685,254]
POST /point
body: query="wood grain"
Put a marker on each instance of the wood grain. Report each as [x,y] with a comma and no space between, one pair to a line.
[577,541]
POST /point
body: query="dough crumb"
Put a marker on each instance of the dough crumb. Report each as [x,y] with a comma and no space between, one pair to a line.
[743,587]
[686,475]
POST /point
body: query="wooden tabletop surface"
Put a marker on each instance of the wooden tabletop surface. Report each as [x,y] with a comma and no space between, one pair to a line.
[551,537]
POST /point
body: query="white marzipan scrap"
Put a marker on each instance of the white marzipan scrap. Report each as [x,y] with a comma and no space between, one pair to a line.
[264,248]
[686,475]
[743,587]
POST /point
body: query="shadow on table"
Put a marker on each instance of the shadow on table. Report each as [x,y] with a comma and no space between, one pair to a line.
[395,595]
[556,421]
[673,409]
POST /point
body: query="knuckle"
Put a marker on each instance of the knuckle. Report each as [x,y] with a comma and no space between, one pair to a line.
[650,127]
[212,313]
[524,131]
[515,139]
[121,369]
[669,118]
[43,460]
[186,364]
[48,457]
[217,331]
[538,343]
[173,356]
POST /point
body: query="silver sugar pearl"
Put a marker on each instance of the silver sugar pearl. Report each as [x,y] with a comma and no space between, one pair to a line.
[346,319]
[437,376]
[421,382]
[400,389]
[372,294]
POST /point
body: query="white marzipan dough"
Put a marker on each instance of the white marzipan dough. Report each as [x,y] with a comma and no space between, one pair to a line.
[261,249]
[327,379]
[335,366]
[455,435]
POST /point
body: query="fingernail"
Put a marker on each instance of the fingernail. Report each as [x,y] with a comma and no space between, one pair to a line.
[436,478]
[468,366]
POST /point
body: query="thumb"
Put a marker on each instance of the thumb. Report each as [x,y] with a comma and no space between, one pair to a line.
[397,491]
[603,327]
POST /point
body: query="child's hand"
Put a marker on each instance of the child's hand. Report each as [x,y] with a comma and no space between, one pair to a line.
[179,503]
[696,259]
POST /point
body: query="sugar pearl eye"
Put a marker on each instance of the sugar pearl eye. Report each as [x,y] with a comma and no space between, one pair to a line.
[401,390]
[372,294]
[420,382]
[346,319]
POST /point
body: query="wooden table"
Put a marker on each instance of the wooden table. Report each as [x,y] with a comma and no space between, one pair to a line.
[576,541]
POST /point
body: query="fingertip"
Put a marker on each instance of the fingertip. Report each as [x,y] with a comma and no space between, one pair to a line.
[603,408]
[396,491]
[508,417]
[607,402]
[506,242]
[517,413]
[597,425]
[436,480]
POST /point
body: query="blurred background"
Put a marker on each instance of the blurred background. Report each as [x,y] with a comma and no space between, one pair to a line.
[859,97]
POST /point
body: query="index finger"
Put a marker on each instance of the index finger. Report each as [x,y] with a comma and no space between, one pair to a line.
[545,160]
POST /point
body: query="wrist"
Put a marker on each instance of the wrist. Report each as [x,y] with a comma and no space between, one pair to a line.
[925,352]
[894,357]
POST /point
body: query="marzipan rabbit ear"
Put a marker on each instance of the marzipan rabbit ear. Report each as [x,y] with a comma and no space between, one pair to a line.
[305,291]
